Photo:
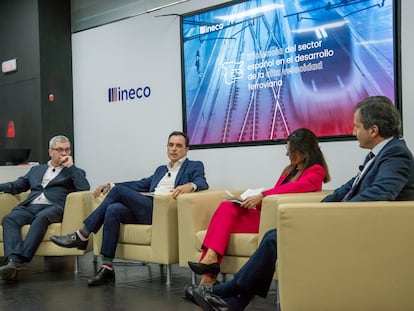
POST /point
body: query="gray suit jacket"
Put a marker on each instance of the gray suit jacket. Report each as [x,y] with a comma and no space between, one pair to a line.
[68,180]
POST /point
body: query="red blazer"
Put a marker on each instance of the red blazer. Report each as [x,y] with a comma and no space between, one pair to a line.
[310,180]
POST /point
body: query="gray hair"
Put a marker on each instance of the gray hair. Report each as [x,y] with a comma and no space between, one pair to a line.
[57,138]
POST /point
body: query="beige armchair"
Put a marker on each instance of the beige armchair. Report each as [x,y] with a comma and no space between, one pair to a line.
[346,256]
[77,207]
[156,243]
[195,211]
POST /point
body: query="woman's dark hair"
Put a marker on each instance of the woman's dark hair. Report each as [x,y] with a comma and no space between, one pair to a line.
[379,111]
[305,141]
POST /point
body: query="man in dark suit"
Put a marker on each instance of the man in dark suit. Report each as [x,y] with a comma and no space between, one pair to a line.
[387,174]
[49,185]
[132,203]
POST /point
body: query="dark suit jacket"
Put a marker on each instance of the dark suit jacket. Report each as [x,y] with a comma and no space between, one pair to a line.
[190,171]
[389,177]
[68,180]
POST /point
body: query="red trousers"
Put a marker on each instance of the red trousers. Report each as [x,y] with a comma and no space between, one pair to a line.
[229,218]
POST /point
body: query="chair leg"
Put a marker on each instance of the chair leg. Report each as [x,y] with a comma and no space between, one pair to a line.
[168,275]
[277,297]
[77,265]
[193,278]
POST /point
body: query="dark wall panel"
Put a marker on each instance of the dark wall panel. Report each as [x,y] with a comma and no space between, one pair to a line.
[37,33]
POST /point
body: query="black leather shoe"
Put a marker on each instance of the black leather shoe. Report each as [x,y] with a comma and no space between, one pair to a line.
[202,268]
[10,270]
[69,241]
[188,291]
[102,277]
[208,301]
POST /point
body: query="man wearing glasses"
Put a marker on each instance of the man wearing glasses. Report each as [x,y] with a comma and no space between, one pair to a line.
[132,203]
[49,184]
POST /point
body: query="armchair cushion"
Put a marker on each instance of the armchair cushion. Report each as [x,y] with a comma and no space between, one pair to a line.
[136,234]
[240,244]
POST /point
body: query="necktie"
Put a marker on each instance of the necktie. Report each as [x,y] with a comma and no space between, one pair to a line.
[369,156]
[350,193]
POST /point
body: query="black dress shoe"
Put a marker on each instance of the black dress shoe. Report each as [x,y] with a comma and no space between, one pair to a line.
[208,301]
[103,276]
[10,270]
[69,241]
[202,268]
[188,291]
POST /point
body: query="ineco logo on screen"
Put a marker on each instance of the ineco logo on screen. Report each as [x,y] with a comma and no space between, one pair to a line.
[116,94]
[211,28]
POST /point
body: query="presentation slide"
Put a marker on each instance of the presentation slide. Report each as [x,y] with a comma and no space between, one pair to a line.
[255,71]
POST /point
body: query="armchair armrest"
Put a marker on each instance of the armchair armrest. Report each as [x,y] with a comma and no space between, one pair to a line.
[7,203]
[77,207]
[270,204]
[346,255]
[164,241]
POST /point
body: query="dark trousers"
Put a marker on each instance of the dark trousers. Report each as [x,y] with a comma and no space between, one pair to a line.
[121,205]
[39,216]
[255,277]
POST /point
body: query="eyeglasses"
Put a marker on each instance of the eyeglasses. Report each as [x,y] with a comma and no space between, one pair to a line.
[61,150]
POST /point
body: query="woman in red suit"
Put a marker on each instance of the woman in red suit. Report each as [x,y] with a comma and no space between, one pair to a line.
[305,173]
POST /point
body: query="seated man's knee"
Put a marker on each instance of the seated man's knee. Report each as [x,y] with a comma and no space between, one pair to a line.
[7,219]
[113,211]
[270,236]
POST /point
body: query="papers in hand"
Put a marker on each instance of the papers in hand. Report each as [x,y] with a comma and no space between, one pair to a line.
[248,193]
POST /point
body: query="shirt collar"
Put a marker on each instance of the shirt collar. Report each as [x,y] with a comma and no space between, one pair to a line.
[378,147]
[178,163]
[49,164]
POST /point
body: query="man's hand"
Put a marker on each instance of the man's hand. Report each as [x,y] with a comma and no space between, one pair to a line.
[182,189]
[66,161]
[102,189]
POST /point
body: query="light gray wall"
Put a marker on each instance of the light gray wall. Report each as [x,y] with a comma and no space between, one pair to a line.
[125,142]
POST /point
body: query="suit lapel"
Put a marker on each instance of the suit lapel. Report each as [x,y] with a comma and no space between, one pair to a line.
[180,173]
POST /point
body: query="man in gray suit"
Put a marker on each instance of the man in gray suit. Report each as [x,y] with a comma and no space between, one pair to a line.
[49,184]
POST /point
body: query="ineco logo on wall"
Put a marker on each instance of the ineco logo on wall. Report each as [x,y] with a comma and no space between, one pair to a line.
[116,94]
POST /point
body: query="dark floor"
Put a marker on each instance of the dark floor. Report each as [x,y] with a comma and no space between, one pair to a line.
[50,284]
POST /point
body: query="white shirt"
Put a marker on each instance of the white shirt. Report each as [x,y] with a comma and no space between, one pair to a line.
[167,183]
